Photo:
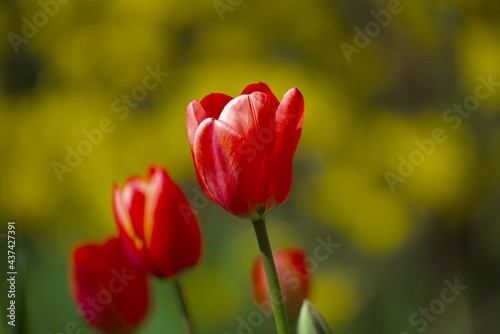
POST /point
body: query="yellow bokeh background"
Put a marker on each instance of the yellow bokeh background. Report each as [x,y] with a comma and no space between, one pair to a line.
[66,66]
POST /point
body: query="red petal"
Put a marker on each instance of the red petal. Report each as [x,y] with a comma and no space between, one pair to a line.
[195,114]
[298,131]
[134,200]
[222,168]
[259,87]
[134,209]
[260,288]
[119,289]
[130,224]
[289,119]
[210,107]
[215,103]
[298,260]
[175,237]
[252,116]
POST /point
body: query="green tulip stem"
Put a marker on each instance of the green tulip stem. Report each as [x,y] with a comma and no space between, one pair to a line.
[272,276]
[185,314]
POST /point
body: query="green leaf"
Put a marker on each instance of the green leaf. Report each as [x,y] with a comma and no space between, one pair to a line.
[311,321]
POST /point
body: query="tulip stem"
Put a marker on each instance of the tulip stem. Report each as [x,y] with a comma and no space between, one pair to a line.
[187,320]
[273,282]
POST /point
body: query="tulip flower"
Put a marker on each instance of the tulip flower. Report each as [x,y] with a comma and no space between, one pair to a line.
[243,147]
[111,292]
[160,231]
[242,150]
[293,278]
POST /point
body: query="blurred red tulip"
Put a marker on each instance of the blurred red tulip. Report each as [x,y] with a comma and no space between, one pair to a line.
[293,277]
[160,231]
[111,292]
[243,148]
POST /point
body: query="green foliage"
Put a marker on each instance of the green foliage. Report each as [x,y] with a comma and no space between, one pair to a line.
[311,321]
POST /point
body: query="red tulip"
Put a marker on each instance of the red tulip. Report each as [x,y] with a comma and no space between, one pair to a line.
[111,292]
[293,277]
[243,147]
[157,225]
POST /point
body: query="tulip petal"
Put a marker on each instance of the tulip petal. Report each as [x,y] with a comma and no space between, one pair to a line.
[195,114]
[175,236]
[152,189]
[105,272]
[289,119]
[259,87]
[219,156]
[210,107]
[129,205]
[128,208]
[135,209]
[215,103]
[252,116]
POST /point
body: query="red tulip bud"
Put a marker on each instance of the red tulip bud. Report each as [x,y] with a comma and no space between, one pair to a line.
[293,277]
[159,229]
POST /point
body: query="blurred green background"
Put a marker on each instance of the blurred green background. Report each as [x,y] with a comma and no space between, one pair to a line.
[64,65]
